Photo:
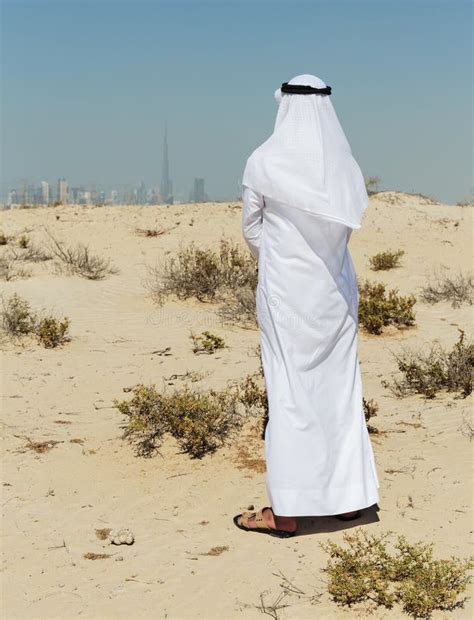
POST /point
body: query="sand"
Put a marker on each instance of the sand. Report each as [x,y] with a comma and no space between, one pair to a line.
[179,508]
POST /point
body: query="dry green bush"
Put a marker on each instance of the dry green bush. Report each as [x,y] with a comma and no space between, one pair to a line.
[207,343]
[52,332]
[153,232]
[203,273]
[24,241]
[437,370]
[252,394]
[18,319]
[367,571]
[377,309]
[201,422]
[29,254]
[241,306]
[78,260]
[370,411]
[10,268]
[3,239]
[383,261]
[372,185]
[13,256]
[457,289]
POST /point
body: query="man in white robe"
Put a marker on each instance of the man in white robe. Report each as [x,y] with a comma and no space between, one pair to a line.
[303,194]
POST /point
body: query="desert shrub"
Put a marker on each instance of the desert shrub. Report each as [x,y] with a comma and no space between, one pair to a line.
[251,392]
[30,254]
[457,289]
[238,266]
[152,232]
[80,261]
[370,411]
[207,343]
[240,307]
[367,571]
[371,185]
[146,425]
[3,239]
[199,421]
[439,369]
[24,241]
[378,309]
[203,273]
[52,332]
[17,317]
[386,260]
[10,268]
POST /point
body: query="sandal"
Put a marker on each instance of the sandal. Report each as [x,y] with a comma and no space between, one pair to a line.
[260,523]
[342,517]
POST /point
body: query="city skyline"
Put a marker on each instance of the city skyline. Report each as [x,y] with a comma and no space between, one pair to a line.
[43,193]
[48,193]
[78,104]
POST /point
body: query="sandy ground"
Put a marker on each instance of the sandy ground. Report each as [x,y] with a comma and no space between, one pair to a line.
[178,508]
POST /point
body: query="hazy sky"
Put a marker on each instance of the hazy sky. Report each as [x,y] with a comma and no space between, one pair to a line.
[87,87]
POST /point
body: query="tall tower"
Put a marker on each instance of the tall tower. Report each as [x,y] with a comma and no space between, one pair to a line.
[45,193]
[63,191]
[166,189]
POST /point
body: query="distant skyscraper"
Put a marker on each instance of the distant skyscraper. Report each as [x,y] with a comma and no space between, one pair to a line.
[141,194]
[45,193]
[166,189]
[12,197]
[198,194]
[63,191]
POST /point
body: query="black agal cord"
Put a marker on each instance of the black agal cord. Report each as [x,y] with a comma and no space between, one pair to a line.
[299,89]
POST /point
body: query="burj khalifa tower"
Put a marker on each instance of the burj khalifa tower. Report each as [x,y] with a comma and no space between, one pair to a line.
[166,189]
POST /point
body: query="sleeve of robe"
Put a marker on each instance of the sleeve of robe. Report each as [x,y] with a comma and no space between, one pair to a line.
[252,217]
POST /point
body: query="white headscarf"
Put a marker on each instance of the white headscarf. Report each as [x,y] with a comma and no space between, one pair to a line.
[307,161]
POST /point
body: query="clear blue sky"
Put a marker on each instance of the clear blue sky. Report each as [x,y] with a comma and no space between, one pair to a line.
[87,87]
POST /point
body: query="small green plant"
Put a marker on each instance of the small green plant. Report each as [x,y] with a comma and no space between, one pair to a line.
[457,289]
[199,421]
[377,309]
[439,369]
[370,411]
[52,332]
[366,571]
[207,343]
[383,261]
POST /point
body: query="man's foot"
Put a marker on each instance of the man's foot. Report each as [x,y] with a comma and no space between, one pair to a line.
[287,524]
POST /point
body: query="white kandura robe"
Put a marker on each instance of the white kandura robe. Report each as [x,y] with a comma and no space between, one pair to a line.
[318,453]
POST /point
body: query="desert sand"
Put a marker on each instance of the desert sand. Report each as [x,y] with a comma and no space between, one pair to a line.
[179,508]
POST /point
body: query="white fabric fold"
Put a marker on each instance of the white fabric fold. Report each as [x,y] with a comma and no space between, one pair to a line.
[307,161]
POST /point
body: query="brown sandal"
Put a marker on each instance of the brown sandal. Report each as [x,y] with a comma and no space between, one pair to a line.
[260,523]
